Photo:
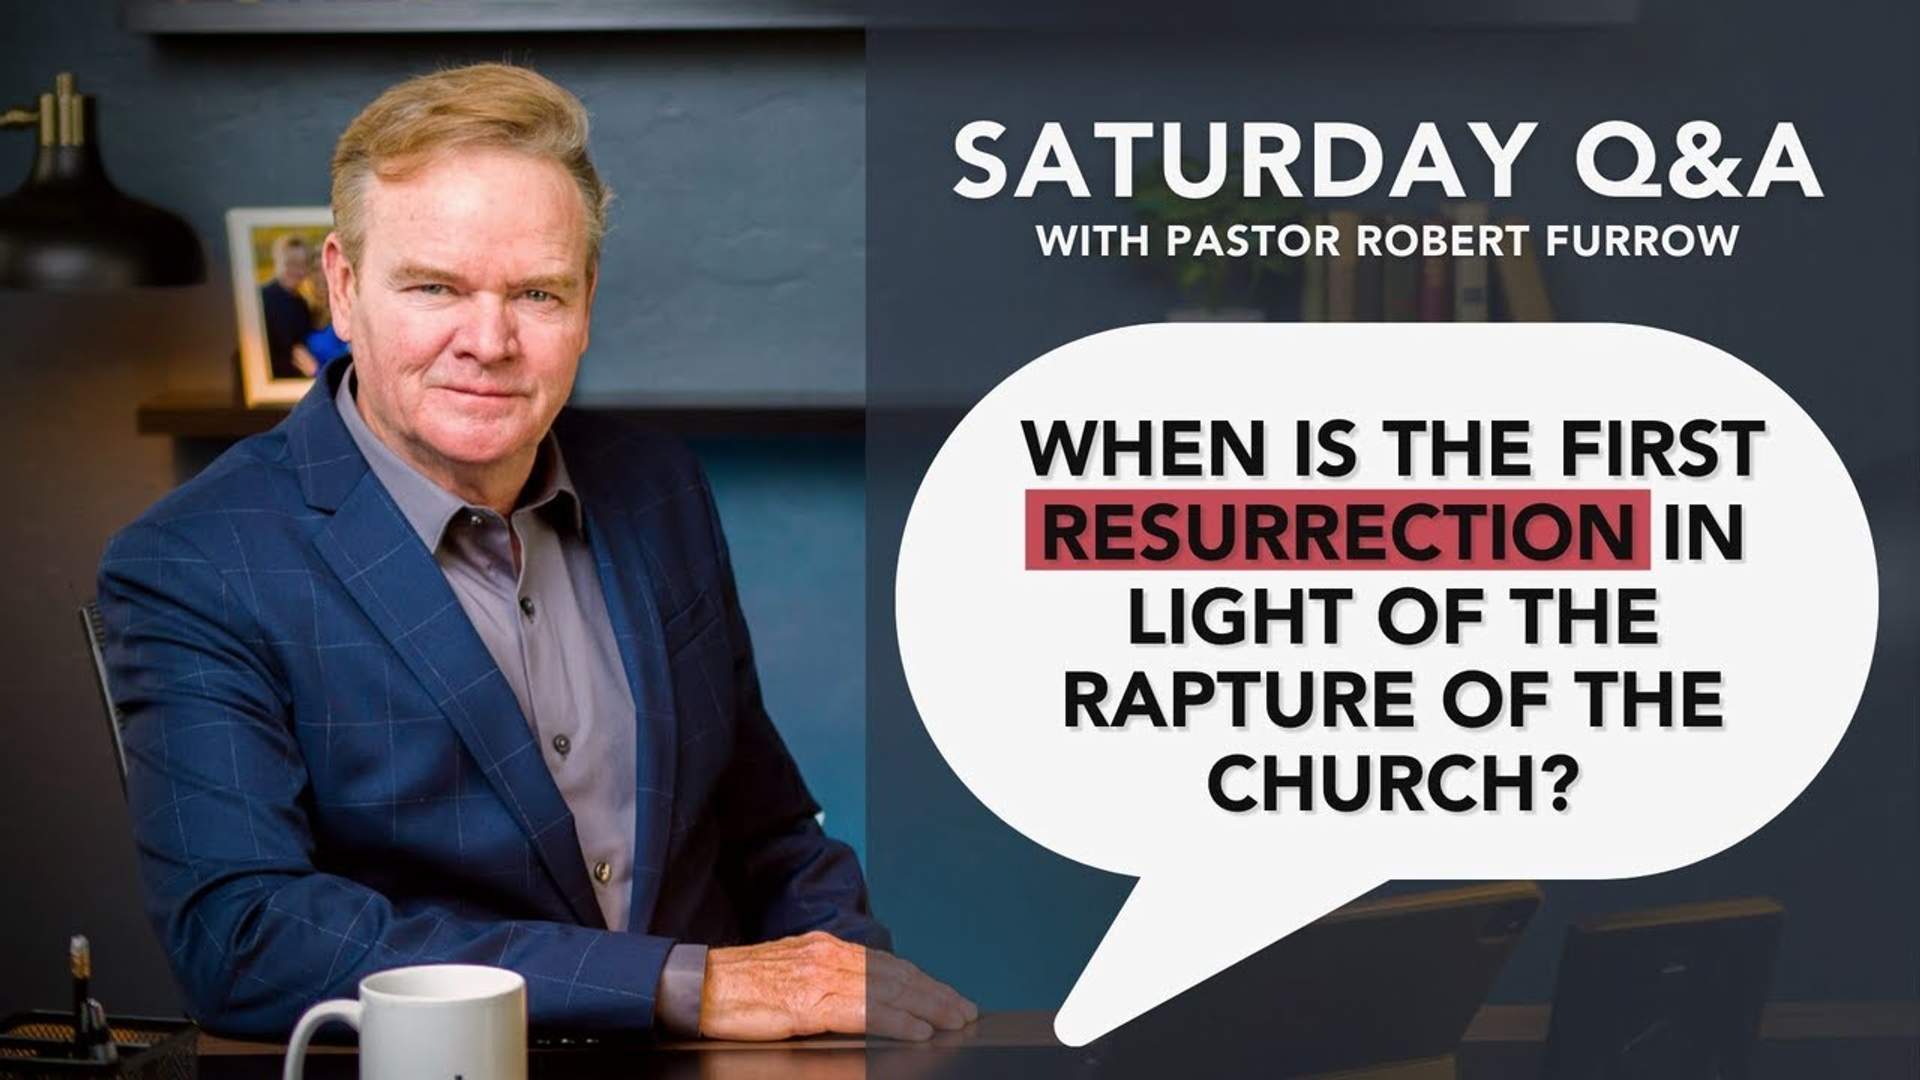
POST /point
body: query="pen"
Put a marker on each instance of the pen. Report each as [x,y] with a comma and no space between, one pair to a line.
[103,1050]
[80,965]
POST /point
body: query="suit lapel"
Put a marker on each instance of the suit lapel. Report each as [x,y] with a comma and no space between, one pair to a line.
[394,579]
[629,579]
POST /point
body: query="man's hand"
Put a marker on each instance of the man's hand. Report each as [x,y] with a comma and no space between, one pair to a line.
[817,983]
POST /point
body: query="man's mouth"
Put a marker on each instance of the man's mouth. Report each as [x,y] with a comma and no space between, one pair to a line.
[481,391]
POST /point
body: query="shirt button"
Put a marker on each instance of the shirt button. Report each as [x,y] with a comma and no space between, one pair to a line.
[603,872]
[526,606]
[562,744]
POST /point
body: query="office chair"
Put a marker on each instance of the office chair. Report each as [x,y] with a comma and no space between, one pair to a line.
[96,629]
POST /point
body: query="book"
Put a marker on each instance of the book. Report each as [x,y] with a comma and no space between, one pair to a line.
[1470,271]
[1343,267]
[1522,287]
[1436,287]
[1313,275]
[1400,285]
[1369,281]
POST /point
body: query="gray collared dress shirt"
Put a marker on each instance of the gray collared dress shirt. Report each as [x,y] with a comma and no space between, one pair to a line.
[544,621]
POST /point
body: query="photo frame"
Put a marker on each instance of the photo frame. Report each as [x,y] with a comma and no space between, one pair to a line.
[280,300]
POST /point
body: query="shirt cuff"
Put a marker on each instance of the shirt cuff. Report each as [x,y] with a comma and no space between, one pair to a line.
[676,1005]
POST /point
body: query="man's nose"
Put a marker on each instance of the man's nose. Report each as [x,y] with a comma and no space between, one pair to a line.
[489,333]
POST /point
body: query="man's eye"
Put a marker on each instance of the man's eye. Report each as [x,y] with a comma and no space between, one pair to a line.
[431,289]
[540,296]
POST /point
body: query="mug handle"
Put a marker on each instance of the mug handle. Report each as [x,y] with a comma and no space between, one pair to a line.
[345,1011]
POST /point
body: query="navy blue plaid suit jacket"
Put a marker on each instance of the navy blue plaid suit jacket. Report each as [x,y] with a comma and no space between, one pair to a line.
[329,776]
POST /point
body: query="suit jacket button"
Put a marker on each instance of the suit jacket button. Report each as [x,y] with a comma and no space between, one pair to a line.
[603,872]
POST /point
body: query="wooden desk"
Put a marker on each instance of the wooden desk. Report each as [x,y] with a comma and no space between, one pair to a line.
[1834,1041]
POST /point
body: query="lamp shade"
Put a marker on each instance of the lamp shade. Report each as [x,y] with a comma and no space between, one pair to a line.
[68,227]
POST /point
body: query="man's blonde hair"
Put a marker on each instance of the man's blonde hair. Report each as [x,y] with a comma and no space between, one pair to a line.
[483,105]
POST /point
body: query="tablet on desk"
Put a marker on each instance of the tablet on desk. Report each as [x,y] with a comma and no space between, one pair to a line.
[1380,988]
[1667,994]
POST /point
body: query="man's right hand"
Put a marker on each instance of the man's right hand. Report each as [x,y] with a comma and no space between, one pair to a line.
[816,983]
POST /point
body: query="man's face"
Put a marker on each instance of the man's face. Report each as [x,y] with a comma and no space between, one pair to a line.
[293,267]
[468,308]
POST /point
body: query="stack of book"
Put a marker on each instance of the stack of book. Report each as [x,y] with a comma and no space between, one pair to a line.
[1350,287]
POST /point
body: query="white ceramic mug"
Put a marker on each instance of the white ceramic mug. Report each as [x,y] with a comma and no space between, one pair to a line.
[437,1022]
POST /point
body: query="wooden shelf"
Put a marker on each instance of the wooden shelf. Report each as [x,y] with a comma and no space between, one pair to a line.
[603,16]
[482,16]
[204,415]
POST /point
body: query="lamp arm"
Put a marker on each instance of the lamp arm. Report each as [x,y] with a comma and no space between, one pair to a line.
[62,116]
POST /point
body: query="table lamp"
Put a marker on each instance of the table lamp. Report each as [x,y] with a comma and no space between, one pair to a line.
[68,227]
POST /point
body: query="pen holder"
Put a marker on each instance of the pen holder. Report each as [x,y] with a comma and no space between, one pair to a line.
[38,1045]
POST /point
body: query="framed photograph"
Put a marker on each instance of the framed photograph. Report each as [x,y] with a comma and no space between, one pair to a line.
[280,300]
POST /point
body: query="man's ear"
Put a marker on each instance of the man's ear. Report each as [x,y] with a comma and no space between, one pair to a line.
[340,285]
[593,283]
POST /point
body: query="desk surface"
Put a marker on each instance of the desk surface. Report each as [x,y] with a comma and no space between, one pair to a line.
[1832,1040]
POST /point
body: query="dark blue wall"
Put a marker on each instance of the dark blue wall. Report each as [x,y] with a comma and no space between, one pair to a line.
[793,509]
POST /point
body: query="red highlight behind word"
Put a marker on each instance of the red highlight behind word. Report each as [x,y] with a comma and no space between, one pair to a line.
[1300,529]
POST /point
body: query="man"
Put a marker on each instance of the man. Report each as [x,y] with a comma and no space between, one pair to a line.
[284,311]
[435,671]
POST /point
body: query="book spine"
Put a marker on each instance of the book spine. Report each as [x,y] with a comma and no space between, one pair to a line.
[1436,288]
[1313,276]
[1400,286]
[1523,288]
[1343,268]
[1369,283]
[1470,271]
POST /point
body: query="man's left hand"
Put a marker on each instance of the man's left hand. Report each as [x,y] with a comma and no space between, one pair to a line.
[817,983]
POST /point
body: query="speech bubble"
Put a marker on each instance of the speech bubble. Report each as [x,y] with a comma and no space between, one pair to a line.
[986,641]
